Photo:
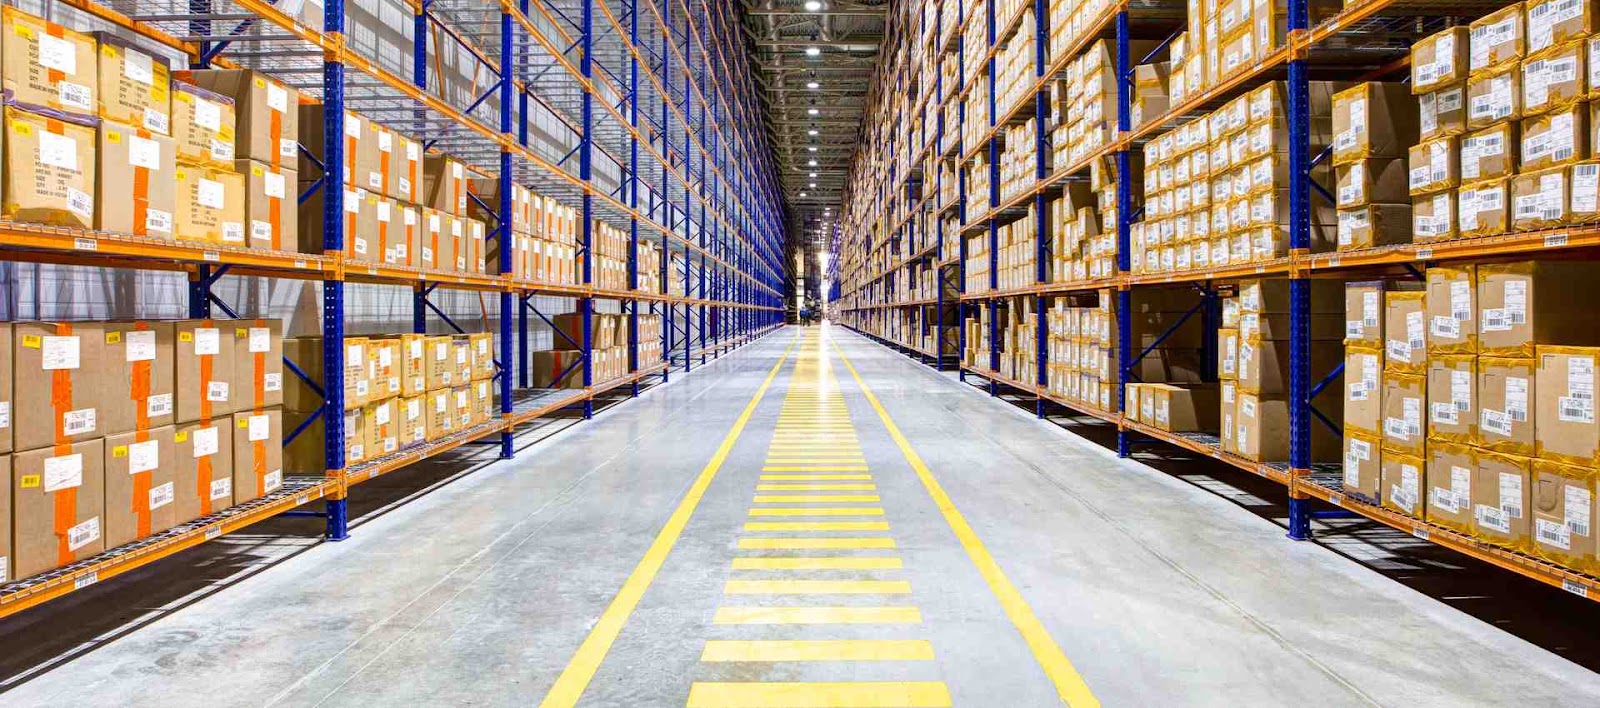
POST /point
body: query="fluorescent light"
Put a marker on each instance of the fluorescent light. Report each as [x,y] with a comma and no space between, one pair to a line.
[811,132]
[802,194]
[812,111]
[813,85]
[813,5]
[813,175]
[811,163]
[811,148]
[813,51]
[813,185]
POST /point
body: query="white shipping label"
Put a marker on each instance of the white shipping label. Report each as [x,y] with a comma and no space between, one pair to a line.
[1491,518]
[83,534]
[383,211]
[158,221]
[440,403]
[1511,494]
[259,428]
[272,382]
[58,151]
[161,496]
[1446,327]
[78,422]
[217,391]
[1369,308]
[207,115]
[1493,421]
[381,415]
[63,472]
[287,147]
[1576,509]
[277,98]
[204,441]
[59,352]
[260,340]
[221,488]
[144,456]
[144,152]
[272,481]
[413,409]
[441,351]
[354,355]
[59,54]
[1398,350]
[461,355]
[79,202]
[1551,533]
[5,414]
[209,193]
[1586,186]
[1442,413]
[385,357]
[415,349]
[352,126]
[159,404]
[274,185]
[157,120]
[385,141]
[1444,499]
[1461,389]
[1517,398]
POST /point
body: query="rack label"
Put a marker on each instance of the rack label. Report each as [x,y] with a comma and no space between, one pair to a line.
[1555,240]
[1574,587]
[213,531]
[86,244]
[85,580]
[1424,254]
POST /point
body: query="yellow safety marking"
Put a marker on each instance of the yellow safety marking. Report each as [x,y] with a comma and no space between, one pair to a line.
[816,587]
[815,460]
[897,694]
[848,487]
[580,670]
[816,544]
[815,468]
[1069,683]
[818,511]
[816,526]
[726,650]
[801,498]
[817,615]
[818,563]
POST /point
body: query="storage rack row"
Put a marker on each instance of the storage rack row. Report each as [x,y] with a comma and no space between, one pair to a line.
[880,241]
[649,108]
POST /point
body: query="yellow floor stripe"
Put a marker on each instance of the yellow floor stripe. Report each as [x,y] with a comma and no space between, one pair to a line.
[816,544]
[814,468]
[818,563]
[580,669]
[816,526]
[812,498]
[817,615]
[900,694]
[846,487]
[725,650]
[818,511]
[1069,683]
[816,587]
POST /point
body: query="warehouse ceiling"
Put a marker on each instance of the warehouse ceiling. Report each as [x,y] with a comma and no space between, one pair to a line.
[815,61]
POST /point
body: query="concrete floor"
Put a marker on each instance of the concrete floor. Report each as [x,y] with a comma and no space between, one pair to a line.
[480,592]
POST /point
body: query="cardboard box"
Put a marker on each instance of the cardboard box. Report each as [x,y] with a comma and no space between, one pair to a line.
[1183,408]
[389,243]
[270,207]
[58,506]
[209,205]
[1501,488]
[1494,96]
[483,409]
[461,353]
[258,363]
[1555,78]
[547,367]
[1363,390]
[1401,483]
[360,150]
[1552,22]
[440,413]
[444,184]
[1484,208]
[1563,514]
[306,454]
[1405,331]
[63,365]
[1405,400]
[1373,120]
[434,246]
[1363,313]
[267,111]
[1362,470]
[413,423]
[139,363]
[6,560]
[1442,112]
[1453,398]
[1261,428]
[407,241]
[360,224]
[1451,305]
[1505,405]
[145,162]
[1496,39]
[482,354]
[135,86]
[456,256]
[1583,199]
[1365,181]
[1564,426]
[257,453]
[413,364]
[203,126]
[1228,419]
[1525,304]
[204,386]
[204,473]
[1560,137]
[139,486]
[383,368]
[462,405]
[49,166]
[1451,468]
[400,162]
[381,422]
[1491,152]
[1228,353]
[1539,199]
[7,356]
[1374,225]
[357,373]
[440,353]
[1440,59]
[1433,217]
[1434,165]
[48,65]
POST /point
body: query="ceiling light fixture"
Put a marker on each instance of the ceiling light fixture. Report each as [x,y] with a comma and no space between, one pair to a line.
[811,148]
[813,85]
[813,51]
[812,111]
[811,132]
[811,163]
[802,195]
[812,185]
[813,175]
[813,5]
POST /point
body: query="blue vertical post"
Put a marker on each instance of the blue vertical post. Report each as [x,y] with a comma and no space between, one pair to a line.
[200,293]
[632,187]
[668,309]
[333,289]
[522,341]
[506,237]
[1299,287]
[1124,305]
[993,300]
[1042,254]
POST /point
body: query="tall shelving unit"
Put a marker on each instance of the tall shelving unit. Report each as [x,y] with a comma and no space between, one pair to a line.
[1365,40]
[653,102]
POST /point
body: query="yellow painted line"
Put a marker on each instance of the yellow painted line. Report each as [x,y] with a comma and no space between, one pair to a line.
[897,694]
[812,498]
[1069,683]
[817,587]
[814,468]
[846,487]
[817,615]
[766,650]
[816,544]
[581,668]
[814,460]
[818,511]
[818,563]
[816,526]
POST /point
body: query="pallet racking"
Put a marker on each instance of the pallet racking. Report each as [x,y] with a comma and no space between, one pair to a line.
[877,241]
[652,104]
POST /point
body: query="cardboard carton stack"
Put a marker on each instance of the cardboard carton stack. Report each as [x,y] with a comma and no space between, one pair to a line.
[976,264]
[265,153]
[560,367]
[1374,125]
[1019,351]
[1224,37]
[1082,354]
[610,248]
[976,353]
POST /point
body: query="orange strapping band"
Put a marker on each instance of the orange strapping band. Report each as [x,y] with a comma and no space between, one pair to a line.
[66,500]
[383,165]
[141,194]
[139,392]
[258,386]
[59,32]
[350,225]
[275,132]
[204,472]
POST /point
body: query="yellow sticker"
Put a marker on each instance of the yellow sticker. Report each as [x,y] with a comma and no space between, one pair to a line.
[29,481]
[256,170]
[113,137]
[108,50]
[113,337]
[241,333]
[260,83]
[244,423]
[32,341]
[24,31]
[186,336]
[22,128]
[185,97]
[181,437]
[182,175]
[119,451]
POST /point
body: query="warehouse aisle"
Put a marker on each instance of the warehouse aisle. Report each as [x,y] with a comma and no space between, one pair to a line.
[815,521]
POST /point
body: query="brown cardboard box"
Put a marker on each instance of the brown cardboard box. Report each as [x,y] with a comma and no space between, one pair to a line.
[1401,484]
[482,348]
[307,452]
[382,426]
[1362,466]
[58,505]
[1564,427]
[258,363]
[267,111]
[139,486]
[548,365]
[461,351]
[1374,225]
[1453,398]
[1497,39]
[400,162]
[1563,511]
[204,473]
[413,423]
[462,405]
[205,379]
[460,246]
[1443,111]
[1363,313]
[360,152]
[1555,78]
[48,65]
[63,365]
[1374,180]
[1490,153]
[408,238]
[1505,405]
[1363,390]
[1132,394]
[440,413]
[1373,120]
[139,363]
[1261,430]
[477,234]
[1484,208]
[1405,402]
[7,355]
[1451,310]
[1405,331]
[1450,471]
[1433,217]
[135,86]
[444,184]
[483,401]
[6,562]
[209,205]
[145,162]
[1183,408]
[1494,96]
[1439,59]
[257,453]
[1525,304]
[1583,198]
[440,353]
[1551,23]
[1228,353]
[1501,487]
[203,126]
[413,364]
[383,368]
[1264,363]
[1560,137]
[434,247]
[50,167]
[1228,420]
[1434,165]
[270,208]
[357,373]
[389,235]
[360,224]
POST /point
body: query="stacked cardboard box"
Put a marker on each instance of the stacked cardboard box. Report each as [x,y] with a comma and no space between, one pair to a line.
[1082,349]
[1225,37]
[1019,327]
[560,367]
[265,152]
[1373,127]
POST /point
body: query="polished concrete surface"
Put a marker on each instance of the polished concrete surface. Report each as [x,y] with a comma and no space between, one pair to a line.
[481,592]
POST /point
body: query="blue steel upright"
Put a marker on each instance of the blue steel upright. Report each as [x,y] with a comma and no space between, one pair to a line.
[506,237]
[1124,305]
[1299,111]
[333,289]
[1042,253]
[585,173]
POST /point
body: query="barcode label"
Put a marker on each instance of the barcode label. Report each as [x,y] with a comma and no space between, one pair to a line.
[1574,587]
[1420,532]
[1555,240]
[213,532]
[86,580]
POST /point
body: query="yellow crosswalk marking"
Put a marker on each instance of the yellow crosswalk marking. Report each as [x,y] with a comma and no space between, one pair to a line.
[817,587]
[814,468]
[818,511]
[847,487]
[817,615]
[816,526]
[818,563]
[725,650]
[816,544]
[802,498]
[900,694]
